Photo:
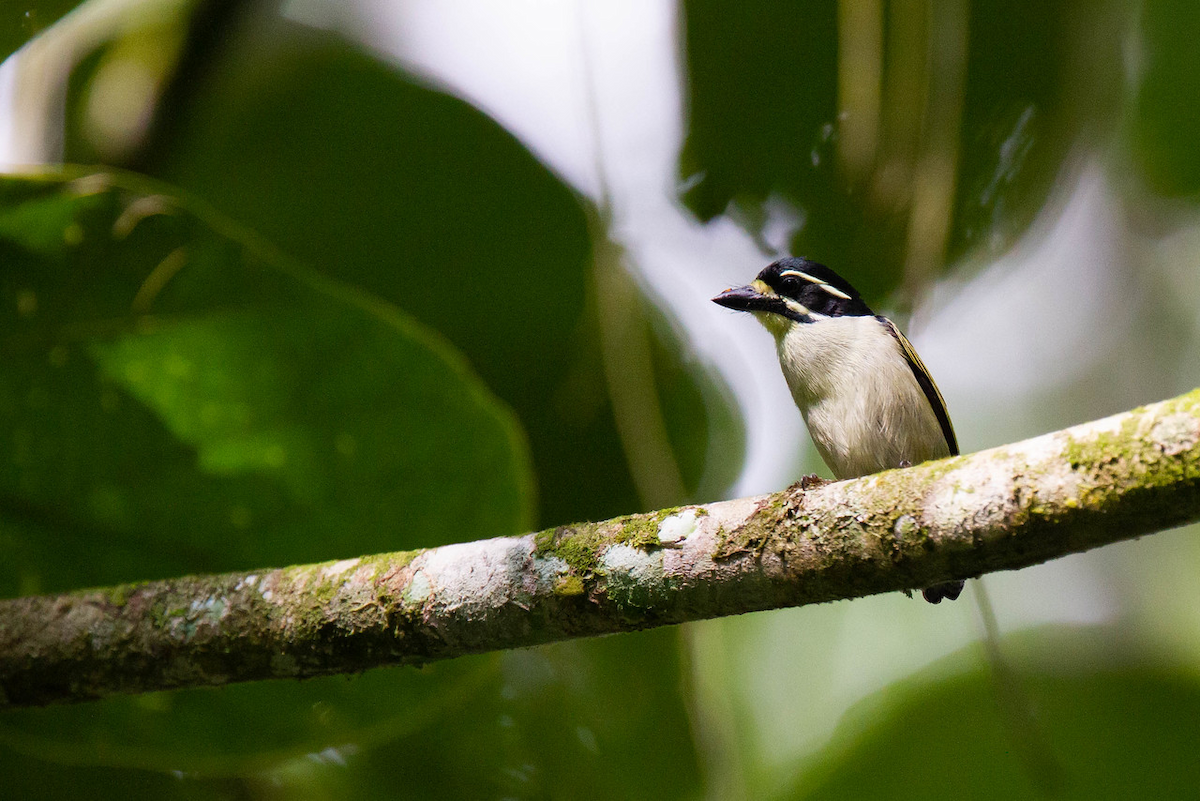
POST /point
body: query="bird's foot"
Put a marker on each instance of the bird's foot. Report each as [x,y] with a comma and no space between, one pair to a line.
[811,481]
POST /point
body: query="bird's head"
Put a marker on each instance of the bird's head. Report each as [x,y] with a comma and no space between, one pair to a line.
[795,291]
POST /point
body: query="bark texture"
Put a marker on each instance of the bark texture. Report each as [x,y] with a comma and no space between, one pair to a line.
[1113,479]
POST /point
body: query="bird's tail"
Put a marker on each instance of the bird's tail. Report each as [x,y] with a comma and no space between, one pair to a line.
[947,589]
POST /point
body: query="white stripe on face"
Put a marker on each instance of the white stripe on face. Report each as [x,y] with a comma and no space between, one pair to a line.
[812,279]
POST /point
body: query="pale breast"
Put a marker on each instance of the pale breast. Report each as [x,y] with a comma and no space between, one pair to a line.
[861,403]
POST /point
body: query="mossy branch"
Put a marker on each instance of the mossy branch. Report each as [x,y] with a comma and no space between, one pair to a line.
[1002,509]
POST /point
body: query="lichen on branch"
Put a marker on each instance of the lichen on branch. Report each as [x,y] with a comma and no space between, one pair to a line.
[1113,479]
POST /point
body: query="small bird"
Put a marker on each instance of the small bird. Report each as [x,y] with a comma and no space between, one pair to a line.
[866,397]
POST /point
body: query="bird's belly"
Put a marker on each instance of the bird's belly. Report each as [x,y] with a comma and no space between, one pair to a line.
[859,397]
[857,439]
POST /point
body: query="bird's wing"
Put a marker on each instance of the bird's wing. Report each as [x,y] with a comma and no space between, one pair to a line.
[925,381]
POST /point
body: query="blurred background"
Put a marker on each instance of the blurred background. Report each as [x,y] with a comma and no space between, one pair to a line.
[333,278]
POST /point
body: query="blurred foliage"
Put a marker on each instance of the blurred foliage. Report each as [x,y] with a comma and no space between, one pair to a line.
[21,21]
[178,397]
[213,404]
[392,315]
[1100,727]
[420,199]
[765,120]
[534,723]
[1166,120]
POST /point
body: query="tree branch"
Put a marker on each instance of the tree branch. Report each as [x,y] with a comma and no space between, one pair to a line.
[1114,479]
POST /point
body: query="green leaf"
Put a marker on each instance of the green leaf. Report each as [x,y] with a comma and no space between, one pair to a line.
[1059,726]
[479,217]
[382,182]
[421,199]
[177,398]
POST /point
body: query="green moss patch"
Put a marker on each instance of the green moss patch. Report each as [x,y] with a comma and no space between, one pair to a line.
[581,546]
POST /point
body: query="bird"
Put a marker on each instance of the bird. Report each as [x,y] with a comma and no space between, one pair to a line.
[866,397]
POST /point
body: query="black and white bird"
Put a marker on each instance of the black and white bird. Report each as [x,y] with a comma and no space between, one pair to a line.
[866,397]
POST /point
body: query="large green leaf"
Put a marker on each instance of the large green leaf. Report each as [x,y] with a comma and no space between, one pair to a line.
[1073,723]
[176,397]
[382,182]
